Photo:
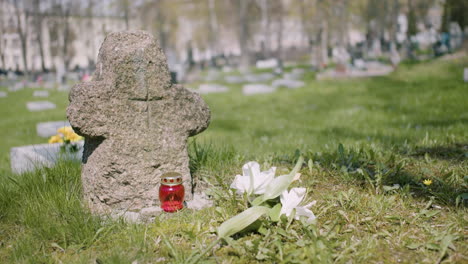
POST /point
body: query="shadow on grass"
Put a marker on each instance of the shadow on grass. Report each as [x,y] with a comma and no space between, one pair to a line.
[455,152]
[381,171]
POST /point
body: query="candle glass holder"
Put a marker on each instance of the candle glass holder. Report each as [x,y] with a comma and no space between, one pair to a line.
[171,192]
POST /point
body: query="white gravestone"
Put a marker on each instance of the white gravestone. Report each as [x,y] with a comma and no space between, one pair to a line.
[465,74]
[41,94]
[3,94]
[234,79]
[262,77]
[48,129]
[29,158]
[18,86]
[40,106]
[267,64]
[212,88]
[291,84]
[250,89]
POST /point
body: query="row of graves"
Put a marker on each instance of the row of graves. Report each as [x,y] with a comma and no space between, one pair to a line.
[269,80]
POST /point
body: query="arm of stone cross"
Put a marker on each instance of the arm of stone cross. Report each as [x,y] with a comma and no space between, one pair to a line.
[194,112]
[89,103]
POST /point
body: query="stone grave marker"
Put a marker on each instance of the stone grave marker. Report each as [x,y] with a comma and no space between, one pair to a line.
[234,79]
[40,106]
[267,64]
[41,94]
[48,129]
[288,83]
[135,123]
[3,94]
[465,74]
[16,87]
[257,88]
[29,158]
[261,77]
[295,74]
[212,88]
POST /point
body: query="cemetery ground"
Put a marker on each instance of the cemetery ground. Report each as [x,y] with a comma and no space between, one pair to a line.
[368,146]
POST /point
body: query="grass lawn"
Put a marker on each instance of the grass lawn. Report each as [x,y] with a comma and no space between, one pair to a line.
[368,145]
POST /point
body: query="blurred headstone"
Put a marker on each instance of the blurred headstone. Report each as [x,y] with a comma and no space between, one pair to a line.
[295,74]
[360,64]
[234,79]
[48,129]
[288,83]
[40,106]
[3,94]
[212,88]
[267,64]
[465,74]
[261,77]
[29,158]
[41,94]
[257,88]
[16,87]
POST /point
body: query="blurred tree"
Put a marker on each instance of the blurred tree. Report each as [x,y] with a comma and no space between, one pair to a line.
[61,34]
[161,18]
[38,23]
[2,34]
[89,11]
[22,26]
[242,16]
[124,7]
[456,11]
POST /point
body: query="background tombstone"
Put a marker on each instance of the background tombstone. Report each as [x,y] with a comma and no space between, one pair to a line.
[48,129]
[135,123]
[40,106]
[41,94]
[465,74]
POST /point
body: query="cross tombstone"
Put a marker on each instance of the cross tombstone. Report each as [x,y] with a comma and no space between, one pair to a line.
[135,123]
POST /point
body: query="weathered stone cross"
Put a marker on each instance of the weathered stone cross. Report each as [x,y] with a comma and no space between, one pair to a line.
[135,123]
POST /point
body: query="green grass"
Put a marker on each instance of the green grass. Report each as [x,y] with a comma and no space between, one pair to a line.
[359,138]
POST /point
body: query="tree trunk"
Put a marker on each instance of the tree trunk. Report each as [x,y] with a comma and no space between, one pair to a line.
[243,33]
[265,28]
[280,34]
[38,24]
[66,34]
[213,31]
[23,35]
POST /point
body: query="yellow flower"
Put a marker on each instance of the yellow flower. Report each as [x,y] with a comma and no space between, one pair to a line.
[65,131]
[427,182]
[73,137]
[55,139]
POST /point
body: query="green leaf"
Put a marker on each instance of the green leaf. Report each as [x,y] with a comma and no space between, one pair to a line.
[413,246]
[281,183]
[432,246]
[275,212]
[241,221]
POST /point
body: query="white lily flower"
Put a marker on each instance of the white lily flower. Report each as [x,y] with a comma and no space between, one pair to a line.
[253,181]
[291,200]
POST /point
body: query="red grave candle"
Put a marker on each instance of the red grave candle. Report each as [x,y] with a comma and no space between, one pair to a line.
[171,192]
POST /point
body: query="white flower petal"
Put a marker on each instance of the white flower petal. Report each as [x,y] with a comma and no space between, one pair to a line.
[241,184]
[253,180]
[302,211]
[251,167]
[262,180]
[291,199]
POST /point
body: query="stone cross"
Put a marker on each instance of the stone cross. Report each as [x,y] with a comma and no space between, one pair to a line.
[135,123]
